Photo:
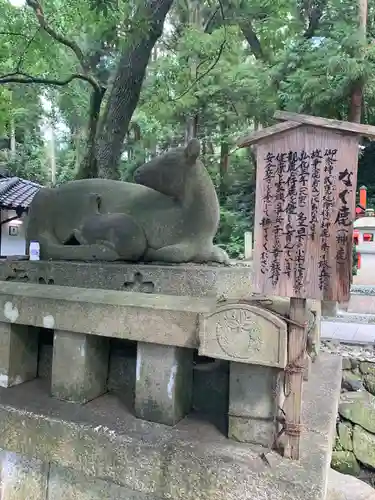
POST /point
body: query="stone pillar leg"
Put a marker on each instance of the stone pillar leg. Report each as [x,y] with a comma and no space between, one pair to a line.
[253,403]
[314,331]
[307,370]
[164,379]
[79,366]
[18,354]
[316,335]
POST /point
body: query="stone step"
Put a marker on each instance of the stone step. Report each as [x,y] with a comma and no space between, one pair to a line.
[362,304]
[351,317]
[101,451]
[344,487]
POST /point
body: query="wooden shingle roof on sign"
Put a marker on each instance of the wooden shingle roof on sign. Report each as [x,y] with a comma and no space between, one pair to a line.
[295,120]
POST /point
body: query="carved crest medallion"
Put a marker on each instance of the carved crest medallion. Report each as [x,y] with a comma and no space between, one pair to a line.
[245,334]
[237,332]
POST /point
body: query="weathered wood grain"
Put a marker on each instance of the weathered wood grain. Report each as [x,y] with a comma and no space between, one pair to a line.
[304,214]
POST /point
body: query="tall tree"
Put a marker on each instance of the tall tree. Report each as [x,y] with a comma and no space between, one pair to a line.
[108,123]
[356,98]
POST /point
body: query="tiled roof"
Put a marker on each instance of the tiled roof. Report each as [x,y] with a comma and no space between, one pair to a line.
[16,192]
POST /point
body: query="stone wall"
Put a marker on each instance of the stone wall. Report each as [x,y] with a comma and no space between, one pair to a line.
[354,448]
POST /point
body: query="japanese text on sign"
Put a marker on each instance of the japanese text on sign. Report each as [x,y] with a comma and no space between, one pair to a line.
[305,220]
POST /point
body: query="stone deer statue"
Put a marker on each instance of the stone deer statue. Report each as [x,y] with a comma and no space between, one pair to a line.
[170,214]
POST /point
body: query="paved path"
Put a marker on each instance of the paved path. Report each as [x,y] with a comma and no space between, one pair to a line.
[355,333]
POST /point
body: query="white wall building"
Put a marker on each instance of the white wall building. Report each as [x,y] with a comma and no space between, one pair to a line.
[15,197]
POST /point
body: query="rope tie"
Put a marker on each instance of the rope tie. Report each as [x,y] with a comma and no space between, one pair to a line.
[294,368]
[292,429]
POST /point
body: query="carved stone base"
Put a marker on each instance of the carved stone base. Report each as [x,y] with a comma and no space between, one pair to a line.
[193,280]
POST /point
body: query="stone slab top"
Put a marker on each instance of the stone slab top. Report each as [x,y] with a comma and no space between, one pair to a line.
[234,264]
[159,319]
[192,461]
[106,297]
[248,333]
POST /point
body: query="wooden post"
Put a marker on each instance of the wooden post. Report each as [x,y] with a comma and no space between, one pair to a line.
[294,374]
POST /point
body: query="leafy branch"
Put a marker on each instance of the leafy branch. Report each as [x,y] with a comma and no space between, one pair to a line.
[200,77]
[71,44]
[26,48]
[13,33]
[37,8]
[24,78]
[20,77]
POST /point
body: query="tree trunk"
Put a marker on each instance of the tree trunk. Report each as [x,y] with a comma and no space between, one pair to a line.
[224,162]
[195,20]
[127,84]
[12,133]
[355,109]
[89,166]
[191,127]
[52,152]
[77,140]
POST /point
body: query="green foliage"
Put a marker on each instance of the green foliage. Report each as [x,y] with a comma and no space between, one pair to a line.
[29,162]
[65,165]
[237,211]
[27,49]
[224,67]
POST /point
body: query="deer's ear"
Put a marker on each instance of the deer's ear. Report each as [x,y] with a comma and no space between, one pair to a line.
[193,150]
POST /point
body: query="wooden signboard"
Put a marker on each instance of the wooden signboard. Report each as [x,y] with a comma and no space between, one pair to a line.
[305,208]
[303,231]
[304,212]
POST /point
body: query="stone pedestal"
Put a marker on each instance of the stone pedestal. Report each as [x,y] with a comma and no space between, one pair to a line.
[18,354]
[79,366]
[253,401]
[164,379]
[115,456]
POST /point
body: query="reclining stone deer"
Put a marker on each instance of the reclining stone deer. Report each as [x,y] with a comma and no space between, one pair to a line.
[170,214]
